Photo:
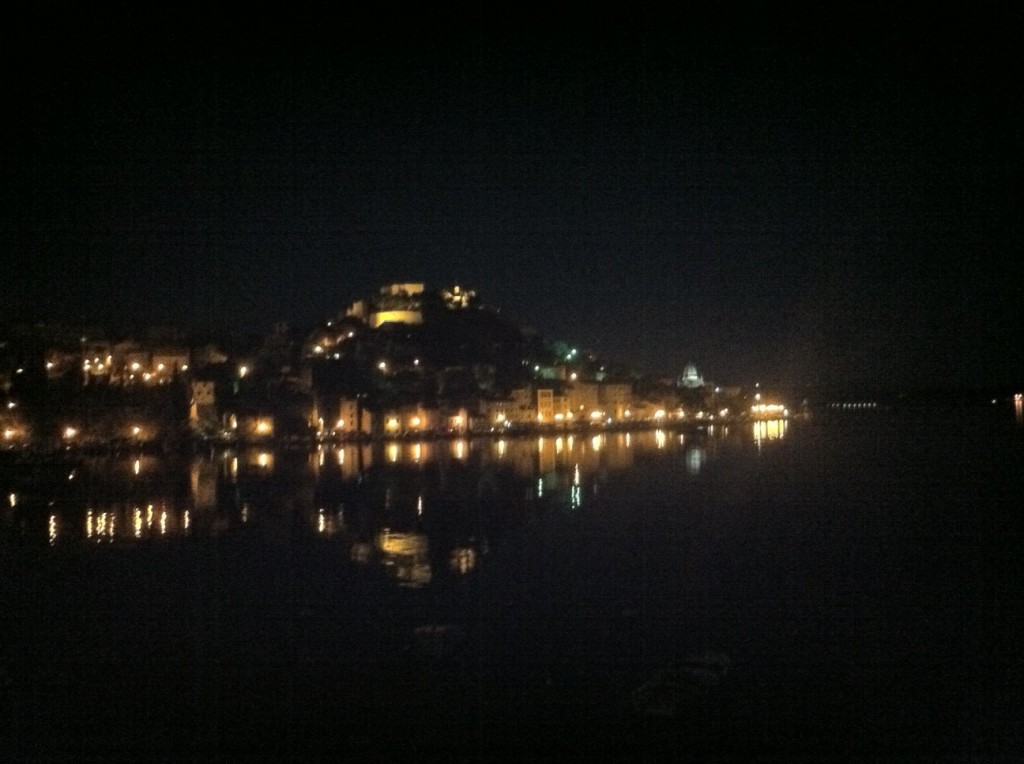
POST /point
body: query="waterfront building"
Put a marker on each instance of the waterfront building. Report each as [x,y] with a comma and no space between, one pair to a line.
[616,398]
[203,406]
[353,419]
[584,398]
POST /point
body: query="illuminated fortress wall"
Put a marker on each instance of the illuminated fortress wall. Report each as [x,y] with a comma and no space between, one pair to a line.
[396,316]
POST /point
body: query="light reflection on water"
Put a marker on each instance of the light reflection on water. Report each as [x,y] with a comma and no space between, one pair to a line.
[146,499]
[789,546]
[769,429]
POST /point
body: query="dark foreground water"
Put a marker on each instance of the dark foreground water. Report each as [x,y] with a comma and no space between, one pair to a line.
[824,589]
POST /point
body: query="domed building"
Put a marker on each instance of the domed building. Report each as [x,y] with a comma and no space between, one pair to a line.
[691,378]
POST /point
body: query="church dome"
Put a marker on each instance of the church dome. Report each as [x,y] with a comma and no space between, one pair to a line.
[691,377]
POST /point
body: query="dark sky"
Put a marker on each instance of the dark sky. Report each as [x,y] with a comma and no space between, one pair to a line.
[774,197]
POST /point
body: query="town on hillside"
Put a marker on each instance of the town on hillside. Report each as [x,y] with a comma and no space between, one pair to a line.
[405,362]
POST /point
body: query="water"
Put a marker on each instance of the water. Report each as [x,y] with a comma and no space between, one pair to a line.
[855,583]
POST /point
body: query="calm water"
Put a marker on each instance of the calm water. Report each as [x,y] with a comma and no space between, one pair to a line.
[855,582]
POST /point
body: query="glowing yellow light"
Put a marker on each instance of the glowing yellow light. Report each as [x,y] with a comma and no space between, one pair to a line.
[8,433]
[393,452]
[243,370]
[415,421]
[263,459]
[499,417]
[392,423]
[340,425]
[463,559]
[457,420]
[540,417]
[12,499]
[595,415]
[136,466]
[136,430]
[659,414]
[53,529]
[135,366]
[160,367]
[137,522]
[770,429]
[70,432]
[596,442]
[318,349]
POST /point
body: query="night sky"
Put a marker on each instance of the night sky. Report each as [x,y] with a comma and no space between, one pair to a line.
[774,197]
